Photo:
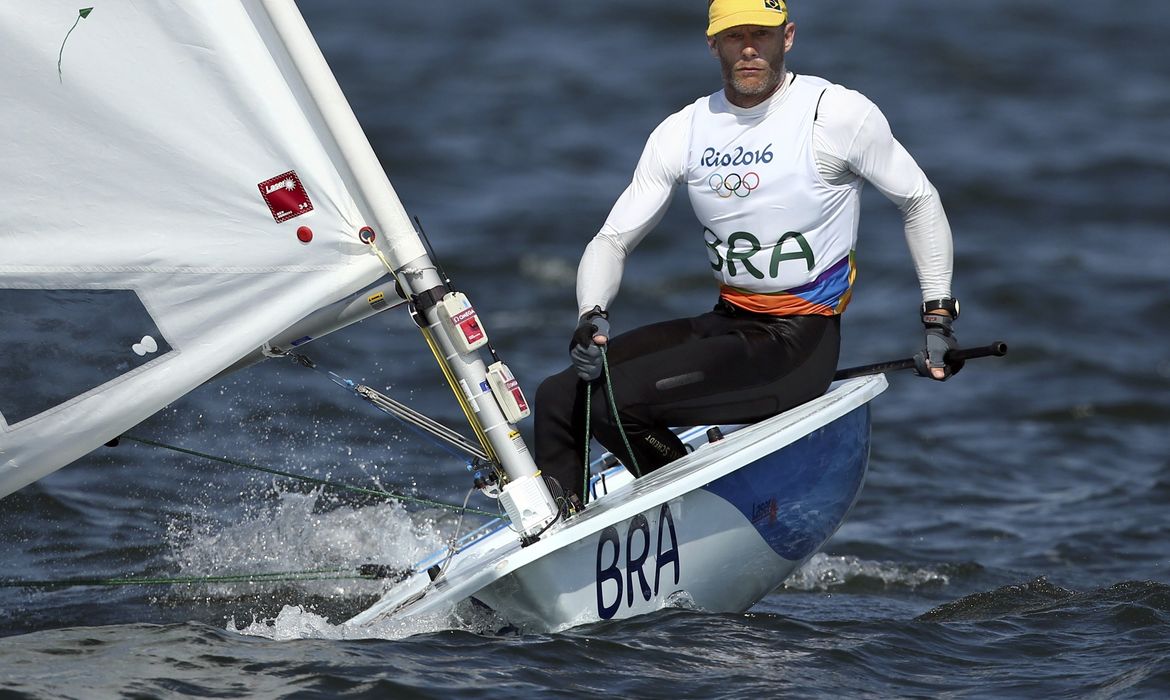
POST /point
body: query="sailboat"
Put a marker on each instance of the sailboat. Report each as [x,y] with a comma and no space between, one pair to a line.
[188,190]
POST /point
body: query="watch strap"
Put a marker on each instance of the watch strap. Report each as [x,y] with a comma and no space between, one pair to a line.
[947,304]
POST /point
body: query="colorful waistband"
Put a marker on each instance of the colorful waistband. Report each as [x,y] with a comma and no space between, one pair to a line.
[827,295]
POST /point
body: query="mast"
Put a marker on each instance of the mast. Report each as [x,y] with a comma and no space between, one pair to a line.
[526,497]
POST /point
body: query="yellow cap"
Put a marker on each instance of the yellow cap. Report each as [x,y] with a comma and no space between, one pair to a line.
[724,14]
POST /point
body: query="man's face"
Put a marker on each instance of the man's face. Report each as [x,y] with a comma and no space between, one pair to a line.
[752,59]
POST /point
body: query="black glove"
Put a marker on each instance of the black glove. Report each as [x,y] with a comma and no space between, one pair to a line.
[939,338]
[584,352]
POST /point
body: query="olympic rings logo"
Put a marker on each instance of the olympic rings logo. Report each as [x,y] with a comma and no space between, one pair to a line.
[734,184]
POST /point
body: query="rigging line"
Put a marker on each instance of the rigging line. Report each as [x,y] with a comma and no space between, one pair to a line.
[464,403]
[633,465]
[588,440]
[448,374]
[431,251]
[381,256]
[310,479]
[588,429]
[435,571]
[462,543]
[360,573]
[446,438]
[452,381]
[453,543]
[404,413]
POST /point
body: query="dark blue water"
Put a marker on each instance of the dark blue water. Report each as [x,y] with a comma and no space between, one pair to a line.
[1012,539]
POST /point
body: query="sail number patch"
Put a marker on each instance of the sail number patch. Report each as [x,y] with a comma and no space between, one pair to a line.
[620,578]
[285,196]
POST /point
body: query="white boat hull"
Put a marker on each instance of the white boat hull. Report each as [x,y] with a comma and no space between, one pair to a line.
[638,567]
[717,530]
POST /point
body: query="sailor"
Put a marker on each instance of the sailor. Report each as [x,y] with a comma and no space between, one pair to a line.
[774,165]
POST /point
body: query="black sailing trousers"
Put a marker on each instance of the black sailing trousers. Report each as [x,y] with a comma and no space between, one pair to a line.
[725,366]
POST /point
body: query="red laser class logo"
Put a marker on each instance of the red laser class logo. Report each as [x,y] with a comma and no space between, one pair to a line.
[285,196]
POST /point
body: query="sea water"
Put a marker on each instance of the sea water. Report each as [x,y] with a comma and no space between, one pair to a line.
[1012,539]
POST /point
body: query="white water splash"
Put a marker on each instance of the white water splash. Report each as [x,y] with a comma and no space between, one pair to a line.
[823,572]
[294,622]
[293,534]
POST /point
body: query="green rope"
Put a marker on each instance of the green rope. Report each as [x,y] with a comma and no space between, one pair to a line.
[310,575]
[613,412]
[588,440]
[633,465]
[309,479]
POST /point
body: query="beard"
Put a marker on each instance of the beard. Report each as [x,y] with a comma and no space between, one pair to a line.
[761,84]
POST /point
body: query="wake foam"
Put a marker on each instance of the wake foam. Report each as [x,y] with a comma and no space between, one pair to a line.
[823,572]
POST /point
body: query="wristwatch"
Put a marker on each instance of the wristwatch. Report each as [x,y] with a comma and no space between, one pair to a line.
[947,304]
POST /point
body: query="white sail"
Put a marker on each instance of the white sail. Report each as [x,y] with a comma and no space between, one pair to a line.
[181,181]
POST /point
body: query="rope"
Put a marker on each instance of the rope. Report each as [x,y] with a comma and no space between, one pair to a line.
[452,544]
[614,413]
[588,440]
[633,465]
[366,573]
[300,477]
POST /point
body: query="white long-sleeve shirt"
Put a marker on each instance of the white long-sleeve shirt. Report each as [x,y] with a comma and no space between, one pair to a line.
[851,140]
